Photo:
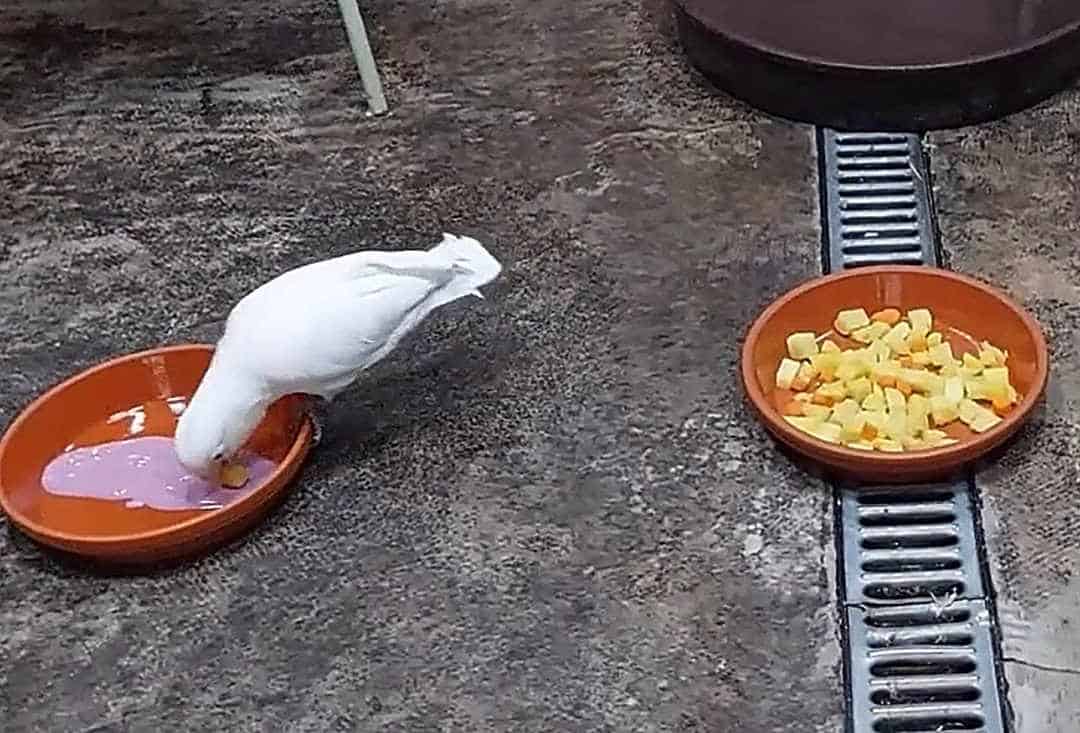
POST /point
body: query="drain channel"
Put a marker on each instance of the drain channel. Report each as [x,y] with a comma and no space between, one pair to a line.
[920,628]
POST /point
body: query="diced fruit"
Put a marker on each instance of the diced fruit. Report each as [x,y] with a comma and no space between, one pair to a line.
[806,375]
[920,319]
[920,359]
[954,389]
[970,361]
[859,389]
[897,338]
[991,355]
[802,345]
[934,339]
[850,320]
[879,352]
[829,346]
[918,411]
[888,316]
[918,341]
[874,401]
[820,413]
[785,375]
[793,408]
[889,446]
[871,333]
[234,475]
[845,411]
[852,429]
[977,417]
[894,400]
[941,354]
[943,410]
[861,445]
[827,431]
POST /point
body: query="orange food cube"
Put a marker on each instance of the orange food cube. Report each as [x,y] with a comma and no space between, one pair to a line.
[918,342]
[1002,407]
[904,388]
[822,400]
[886,380]
[869,432]
[827,375]
[890,316]
[906,362]
[793,408]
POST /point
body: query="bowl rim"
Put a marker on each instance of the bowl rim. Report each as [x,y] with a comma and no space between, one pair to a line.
[978,445]
[295,453]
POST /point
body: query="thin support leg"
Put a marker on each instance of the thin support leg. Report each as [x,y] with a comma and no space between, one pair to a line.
[365,62]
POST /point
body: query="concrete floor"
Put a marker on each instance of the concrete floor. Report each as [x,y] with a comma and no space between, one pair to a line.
[549,511]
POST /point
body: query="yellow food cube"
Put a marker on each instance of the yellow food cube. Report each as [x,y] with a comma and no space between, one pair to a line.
[826,361]
[805,424]
[896,425]
[879,352]
[848,321]
[921,358]
[827,431]
[977,417]
[785,375]
[971,362]
[806,375]
[889,446]
[912,443]
[802,345]
[943,410]
[934,339]
[832,391]
[859,389]
[897,338]
[954,390]
[852,429]
[937,438]
[941,354]
[861,445]
[853,364]
[920,319]
[821,413]
[894,400]
[918,412]
[829,347]
[923,381]
[874,401]
[844,411]
[874,418]
[871,333]
[991,355]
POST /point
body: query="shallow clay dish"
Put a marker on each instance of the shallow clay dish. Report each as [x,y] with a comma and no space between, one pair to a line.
[960,305]
[73,412]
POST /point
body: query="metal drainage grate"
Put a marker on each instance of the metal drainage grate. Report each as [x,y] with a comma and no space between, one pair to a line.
[921,653]
[876,199]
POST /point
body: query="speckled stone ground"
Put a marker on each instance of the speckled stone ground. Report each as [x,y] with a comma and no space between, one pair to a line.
[547,512]
[1009,202]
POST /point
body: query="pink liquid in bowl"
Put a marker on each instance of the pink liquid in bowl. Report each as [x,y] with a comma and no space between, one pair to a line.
[143,471]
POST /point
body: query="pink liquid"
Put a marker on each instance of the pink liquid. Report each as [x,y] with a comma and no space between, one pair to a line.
[143,471]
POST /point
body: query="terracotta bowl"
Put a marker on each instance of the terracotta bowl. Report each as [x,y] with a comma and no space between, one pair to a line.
[959,303]
[110,531]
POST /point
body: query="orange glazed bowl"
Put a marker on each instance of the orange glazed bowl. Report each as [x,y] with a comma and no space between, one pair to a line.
[961,305]
[77,412]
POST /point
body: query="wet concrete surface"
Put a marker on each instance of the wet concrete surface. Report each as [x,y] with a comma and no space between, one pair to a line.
[1008,197]
[549,511]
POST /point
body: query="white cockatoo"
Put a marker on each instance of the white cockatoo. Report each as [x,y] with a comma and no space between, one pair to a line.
[312,331]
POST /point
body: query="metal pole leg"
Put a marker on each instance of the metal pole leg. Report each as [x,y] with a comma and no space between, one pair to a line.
[365,62]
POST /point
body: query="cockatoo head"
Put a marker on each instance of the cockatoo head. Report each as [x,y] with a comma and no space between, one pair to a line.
[221,416]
